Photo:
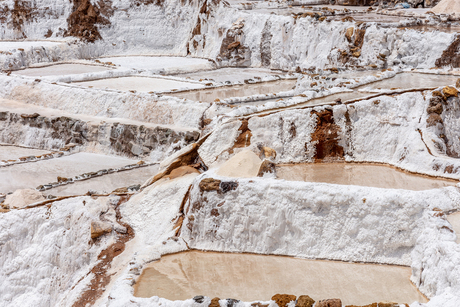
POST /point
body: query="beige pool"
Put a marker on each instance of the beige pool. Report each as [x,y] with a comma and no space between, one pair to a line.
[362,174]
[250,277]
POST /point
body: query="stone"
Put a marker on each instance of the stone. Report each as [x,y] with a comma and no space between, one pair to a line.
[349,33]
[333,302]
[435,109]
[199,299]
[267,153]
[99,228]
[449,91]
[209,184]
[226,186]
[22,198]
[232,302]
[357,54]
[457,84]
[215,302]
[304,301]
[283,299]
[267,166]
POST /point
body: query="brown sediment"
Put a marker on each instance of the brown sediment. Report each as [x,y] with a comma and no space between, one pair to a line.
[84,21]
[101,279]
[244,139]
[451,55]
[325,137]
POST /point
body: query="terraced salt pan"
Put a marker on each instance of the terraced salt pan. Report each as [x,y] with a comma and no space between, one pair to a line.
[141,84]
[454,220]
[9,46]
[242,90]
[165,64]
[8,152]
[250,277]
[399,82]
[31,175]
[60,69]
[106,183]
[370,175]
[231,74]
[411,80]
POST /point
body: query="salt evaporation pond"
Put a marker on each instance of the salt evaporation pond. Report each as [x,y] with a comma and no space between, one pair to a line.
[60,69]
[242,90]
[9,152]
[250,277]
[165,63]
[9,46]
[231,74]
[369,175]
[454,220]
[106,183]
[141,84]
[31,175]
[399,82]
[412,80]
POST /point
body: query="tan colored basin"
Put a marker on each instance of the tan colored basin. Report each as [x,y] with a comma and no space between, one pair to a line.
[369,175]
[251,277]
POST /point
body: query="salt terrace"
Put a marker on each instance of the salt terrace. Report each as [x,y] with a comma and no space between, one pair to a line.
[209,153]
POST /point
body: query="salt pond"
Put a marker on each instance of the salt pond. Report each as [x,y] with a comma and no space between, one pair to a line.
[370,175]
[106,183]
[164,64]
[141,84]
[251,277]
[30,175]
[243,90]
[412,80]
[231,74]
[9,152]
[60,69]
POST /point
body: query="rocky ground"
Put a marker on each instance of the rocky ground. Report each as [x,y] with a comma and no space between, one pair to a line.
[131,130]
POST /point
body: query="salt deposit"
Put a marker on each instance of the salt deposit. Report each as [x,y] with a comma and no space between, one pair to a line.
[201,92]
[22,198]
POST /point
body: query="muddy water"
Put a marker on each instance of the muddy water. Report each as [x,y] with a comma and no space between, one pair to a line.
[140,84]
[243,90]
[251,277]
[412,80]
[369,175]
[454,220]
[60,69]
[8,152]
[431,28]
